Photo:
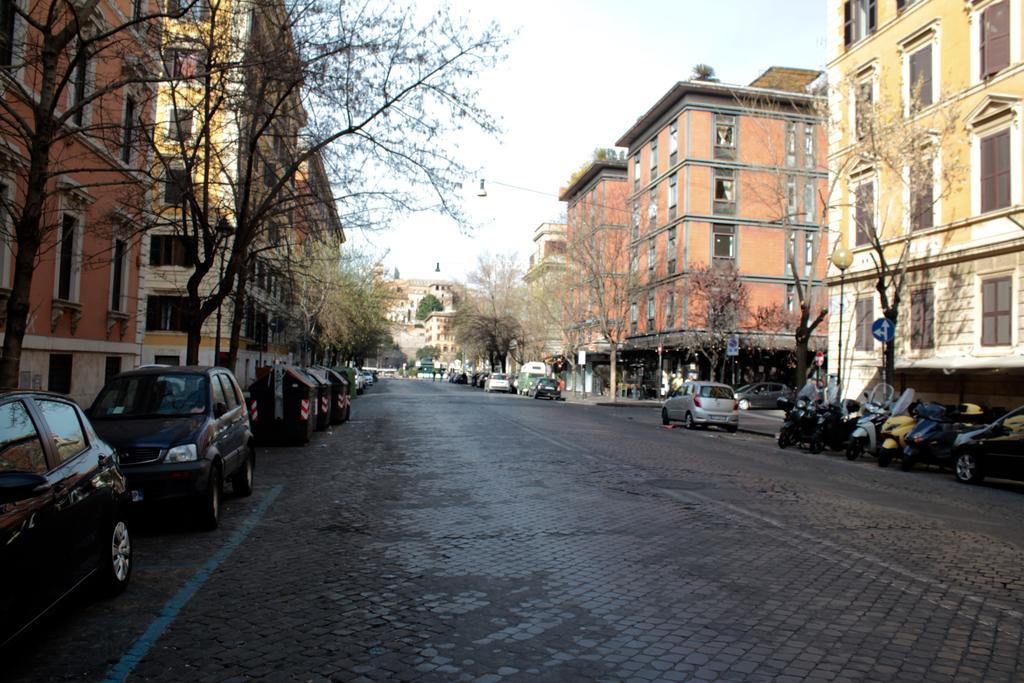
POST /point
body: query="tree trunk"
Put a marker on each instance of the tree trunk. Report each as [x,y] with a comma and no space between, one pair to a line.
[613,379]
[802,340]
[889,356]
[18,307]
[237,314]
[194,337]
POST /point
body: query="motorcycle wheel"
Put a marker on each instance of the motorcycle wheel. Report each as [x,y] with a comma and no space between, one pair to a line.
[854,449]
[906,463]
[816,446]
[783,439]
[884,458]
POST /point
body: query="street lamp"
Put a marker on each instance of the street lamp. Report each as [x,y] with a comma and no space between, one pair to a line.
[841,259]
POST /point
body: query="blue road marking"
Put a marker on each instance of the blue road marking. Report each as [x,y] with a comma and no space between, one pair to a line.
[120,671]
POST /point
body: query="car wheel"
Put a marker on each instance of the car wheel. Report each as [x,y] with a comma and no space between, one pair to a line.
[744,404]
[242,481]
[968,469]
[209,504]
[854,449]
[115,561]
[732,429]
[688,421]
[536,395]
[664,417]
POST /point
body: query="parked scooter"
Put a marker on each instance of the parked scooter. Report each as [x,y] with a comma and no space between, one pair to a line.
[876,410]
[801,423]
[931,440]
[894,434]
[836,421]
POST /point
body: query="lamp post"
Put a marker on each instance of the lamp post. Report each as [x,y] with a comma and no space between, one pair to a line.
[841,259]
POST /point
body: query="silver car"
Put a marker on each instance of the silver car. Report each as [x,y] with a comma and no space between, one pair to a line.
[702,403]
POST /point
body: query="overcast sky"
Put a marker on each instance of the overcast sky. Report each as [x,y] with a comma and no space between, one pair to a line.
[578,73]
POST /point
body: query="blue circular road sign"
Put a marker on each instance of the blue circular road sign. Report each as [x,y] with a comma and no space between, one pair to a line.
[883,330]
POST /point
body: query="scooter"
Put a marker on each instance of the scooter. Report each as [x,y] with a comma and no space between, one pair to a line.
[877,409]
[836,422]
[894,434]
[932,438]
[801,422]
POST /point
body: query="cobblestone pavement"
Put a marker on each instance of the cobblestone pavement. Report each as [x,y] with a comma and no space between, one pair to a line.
[445,534]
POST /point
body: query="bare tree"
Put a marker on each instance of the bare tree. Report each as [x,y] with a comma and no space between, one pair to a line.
[895,146]
[489,318]
[718,307]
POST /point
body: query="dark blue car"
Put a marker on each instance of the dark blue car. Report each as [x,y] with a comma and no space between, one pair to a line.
[180,434]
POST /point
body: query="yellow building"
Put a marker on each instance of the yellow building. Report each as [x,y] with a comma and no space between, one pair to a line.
[925,154]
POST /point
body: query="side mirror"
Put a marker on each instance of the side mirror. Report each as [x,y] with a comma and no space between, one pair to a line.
[16,486]
[219,408]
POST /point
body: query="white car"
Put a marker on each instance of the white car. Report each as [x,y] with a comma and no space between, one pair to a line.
[498,382]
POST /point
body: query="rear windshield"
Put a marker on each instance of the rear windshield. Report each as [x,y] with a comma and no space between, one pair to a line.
[167,395]
[498,375]
[548,382]
[715,392]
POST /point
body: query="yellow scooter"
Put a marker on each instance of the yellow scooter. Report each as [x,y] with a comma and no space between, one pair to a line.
[894,436]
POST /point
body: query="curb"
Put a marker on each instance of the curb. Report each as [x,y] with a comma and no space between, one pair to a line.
[629,404]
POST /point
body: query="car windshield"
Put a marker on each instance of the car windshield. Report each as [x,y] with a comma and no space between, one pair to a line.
[715,392]
[152,396]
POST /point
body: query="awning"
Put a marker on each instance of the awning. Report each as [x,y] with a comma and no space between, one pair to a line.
[954,363]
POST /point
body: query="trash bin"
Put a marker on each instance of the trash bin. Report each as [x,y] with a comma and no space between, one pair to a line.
[339,395]
[350,375]
[281,405]
[323,399]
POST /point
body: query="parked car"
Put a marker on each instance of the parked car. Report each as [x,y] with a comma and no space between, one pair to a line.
[546,387]
[702,404]
[180,433]
[360,382]
[368,377]
[993,451]
[481,380]
[763,395]
[498,382]
[63,504]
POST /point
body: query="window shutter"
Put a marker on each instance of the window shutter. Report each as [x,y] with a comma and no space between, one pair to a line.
[847,22]
[995,38]
[1001,169]
[988,327]
[900,4]
[987,174]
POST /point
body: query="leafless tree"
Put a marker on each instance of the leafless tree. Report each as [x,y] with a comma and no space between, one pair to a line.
[718,301]
[489,319]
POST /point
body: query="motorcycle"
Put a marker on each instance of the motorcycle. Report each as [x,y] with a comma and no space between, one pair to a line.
[836,422]
[932,438]
[894,434]
[801,422]
[878,407]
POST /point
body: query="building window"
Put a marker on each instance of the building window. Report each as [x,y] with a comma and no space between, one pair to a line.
[670,250]
[79,81]
[654,158]
[673,142]
[792,200]
[634,260]
[633,318]
[725,191]
[169,250]
[995,171]
[860,19]
[903,4]
[865,315]
[128,129]
[920,94]
[180,63]
[165,314]
[865,214]
[636,220]
[8,22]
[995,38]
[790,298]
[59,375]
[652,208]
[725,136]
[66,257]
[673,195]
[176,186]
[922,193]
[809,254]
[636,171]
[117,283]
[167,360]
[922,319]
[791,143]
[996,298]
[810,201]
[650,312]
[136,9]
[194,10]
[724,242]
[593,207]
[111,368]
[651,254]
[180,125]
[810,159]
[791,252]
[670,309]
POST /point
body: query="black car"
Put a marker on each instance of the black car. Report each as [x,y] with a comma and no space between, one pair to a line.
[63,501]
[546,387]
[180,433]
[993,451]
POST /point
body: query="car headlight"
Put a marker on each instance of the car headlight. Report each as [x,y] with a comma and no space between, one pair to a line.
[185,453]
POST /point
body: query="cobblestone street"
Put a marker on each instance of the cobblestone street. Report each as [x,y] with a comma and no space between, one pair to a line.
[447,534]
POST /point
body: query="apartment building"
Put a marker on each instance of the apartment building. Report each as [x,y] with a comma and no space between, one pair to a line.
[82,289]
[596,257]
[406,294]
[954,70]
[732,177]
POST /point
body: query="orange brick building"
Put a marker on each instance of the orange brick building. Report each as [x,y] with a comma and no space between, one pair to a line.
[722,174]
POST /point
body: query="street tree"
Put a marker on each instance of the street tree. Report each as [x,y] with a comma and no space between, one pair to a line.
[718,301]
[488,321]
[428,304]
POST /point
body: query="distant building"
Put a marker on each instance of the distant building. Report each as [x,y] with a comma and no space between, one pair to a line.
[411,334]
